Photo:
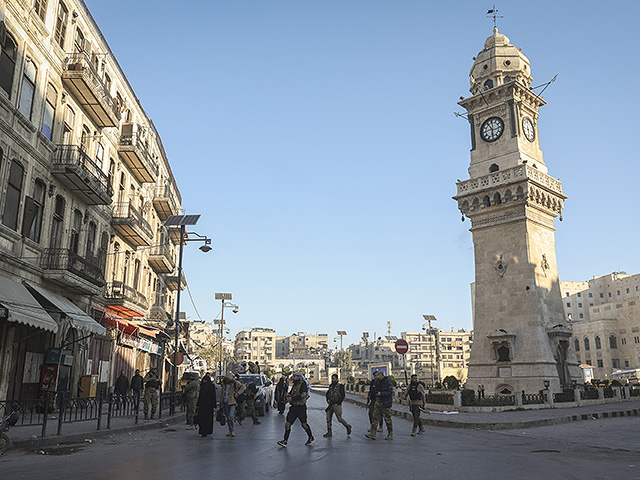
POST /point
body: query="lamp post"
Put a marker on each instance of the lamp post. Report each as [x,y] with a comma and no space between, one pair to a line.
[429,319]
[182,221]
[342,359]
[223,297]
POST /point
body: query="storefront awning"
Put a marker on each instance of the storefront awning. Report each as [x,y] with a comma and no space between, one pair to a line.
[22,307]
[79,319]
[147,331]
[125,326]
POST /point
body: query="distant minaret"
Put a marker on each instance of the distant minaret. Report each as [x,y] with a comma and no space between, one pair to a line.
[520,336]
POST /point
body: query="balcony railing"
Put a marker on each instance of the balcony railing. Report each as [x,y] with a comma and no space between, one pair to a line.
[130,224]
[162,259]
[165,202]
[65,259]
[90,90]
[134,151]
[122,292]
[81,174]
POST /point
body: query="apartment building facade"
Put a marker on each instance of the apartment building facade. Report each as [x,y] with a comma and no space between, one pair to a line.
[85,188]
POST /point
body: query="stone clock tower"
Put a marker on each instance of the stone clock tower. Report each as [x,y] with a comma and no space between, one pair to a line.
[520,336]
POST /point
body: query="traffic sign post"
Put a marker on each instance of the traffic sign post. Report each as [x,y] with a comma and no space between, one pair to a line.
[402,347]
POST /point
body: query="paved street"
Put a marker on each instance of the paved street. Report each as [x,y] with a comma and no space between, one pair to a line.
[598,449]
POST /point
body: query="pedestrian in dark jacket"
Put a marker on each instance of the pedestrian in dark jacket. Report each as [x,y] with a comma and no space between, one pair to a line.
[206,406]
[137,384]
[121,388]
[335,396]
[382,406]
[281,394]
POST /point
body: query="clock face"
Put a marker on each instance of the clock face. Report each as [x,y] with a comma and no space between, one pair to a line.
[528,129]
[491,129]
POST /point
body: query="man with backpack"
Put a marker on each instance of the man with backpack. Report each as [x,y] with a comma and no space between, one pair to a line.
[416,395]
[335,396]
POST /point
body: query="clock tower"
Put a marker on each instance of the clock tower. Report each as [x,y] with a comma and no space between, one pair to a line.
[520,335]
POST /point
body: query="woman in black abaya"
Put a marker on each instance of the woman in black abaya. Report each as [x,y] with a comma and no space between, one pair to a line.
[206,406]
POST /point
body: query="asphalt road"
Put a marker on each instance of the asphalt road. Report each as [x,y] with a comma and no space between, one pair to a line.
[599,449]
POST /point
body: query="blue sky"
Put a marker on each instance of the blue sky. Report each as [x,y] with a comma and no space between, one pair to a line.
[318,141]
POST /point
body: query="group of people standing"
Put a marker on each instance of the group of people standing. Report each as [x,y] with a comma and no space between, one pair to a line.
[202,402]
[149,384]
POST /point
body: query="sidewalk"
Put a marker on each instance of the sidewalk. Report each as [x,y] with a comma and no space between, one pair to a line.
[28,437]
[514,419]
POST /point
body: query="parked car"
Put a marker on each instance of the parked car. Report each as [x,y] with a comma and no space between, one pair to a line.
[264,397]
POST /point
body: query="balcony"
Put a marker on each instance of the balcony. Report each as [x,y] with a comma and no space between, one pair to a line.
[165,203]
[130,225]
[135,154]
[162,259]
[125,300]
[174,234]
[84,83]
[171,282]
[81,175]
[70,269]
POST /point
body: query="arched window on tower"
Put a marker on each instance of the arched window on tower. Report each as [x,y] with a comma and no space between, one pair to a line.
[577,344]
[7,64]
[503,354]
[493,168]
[488,84]
[496,199]
[486,201]
[507,196]
[598,343]
[586,344]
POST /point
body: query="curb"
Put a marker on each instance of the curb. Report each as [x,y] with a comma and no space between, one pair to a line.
[543,422]
[35,443]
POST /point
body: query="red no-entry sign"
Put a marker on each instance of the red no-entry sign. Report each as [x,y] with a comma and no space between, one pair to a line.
[402,346]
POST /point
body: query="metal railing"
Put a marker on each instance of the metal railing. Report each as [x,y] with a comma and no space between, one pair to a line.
[74,155]
[66,259]
[589,394]
[127,211]
[491,401]
[440,398]
[120,291]
[564,397]
[533,398]
[80,62]
[56,408]
[131,138]
[164,251]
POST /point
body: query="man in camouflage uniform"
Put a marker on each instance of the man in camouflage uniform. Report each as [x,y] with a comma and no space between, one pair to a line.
[191,391]
[297,400]
[151,386]
[249,409]
[383,395]
[335,395]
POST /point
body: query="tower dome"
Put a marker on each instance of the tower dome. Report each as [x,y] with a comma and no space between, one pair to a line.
[498,63]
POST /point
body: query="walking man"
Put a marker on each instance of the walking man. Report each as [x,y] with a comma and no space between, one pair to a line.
[416,395]
[297,400]
[335,396]
[121,388]
[137,384]
[383,395]
[231,389]
[191,391]
[249,409]
[151,386]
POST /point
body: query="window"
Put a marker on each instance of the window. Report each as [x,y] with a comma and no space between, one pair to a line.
[609,294]
[618,292]
[14,192]
[576,343]
[623,341]
[615,363]
[566,294]
[75,231]
[586,344]
[57,223]
[600,364]
[579,294]
[61,24]
[107,83]
[49,112]
[579,305]
[493,168]
[636,339]
[613,341]
[91,242]
[568,304]
[598,343]
[78,41]
[601,295]
[40,7]
[626,364]
[627,290]
[136,274]
[28,88]
[7,64]
[581,315]
[84,139]
[488,84]
[33,207]
[99,155]
[590,295]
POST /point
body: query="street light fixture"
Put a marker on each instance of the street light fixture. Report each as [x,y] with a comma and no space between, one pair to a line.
[185,237]
[223,297]
[429,319]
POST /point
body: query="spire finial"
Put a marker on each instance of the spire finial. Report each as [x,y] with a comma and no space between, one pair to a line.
[493,13]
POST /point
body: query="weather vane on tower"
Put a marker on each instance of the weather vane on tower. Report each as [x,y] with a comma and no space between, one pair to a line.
[494,13]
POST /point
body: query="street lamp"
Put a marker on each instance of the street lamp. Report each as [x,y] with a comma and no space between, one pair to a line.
[182,221]
[429,319]
[224,297]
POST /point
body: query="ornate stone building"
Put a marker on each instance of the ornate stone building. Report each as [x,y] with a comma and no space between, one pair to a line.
[85,185]
[520,335]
